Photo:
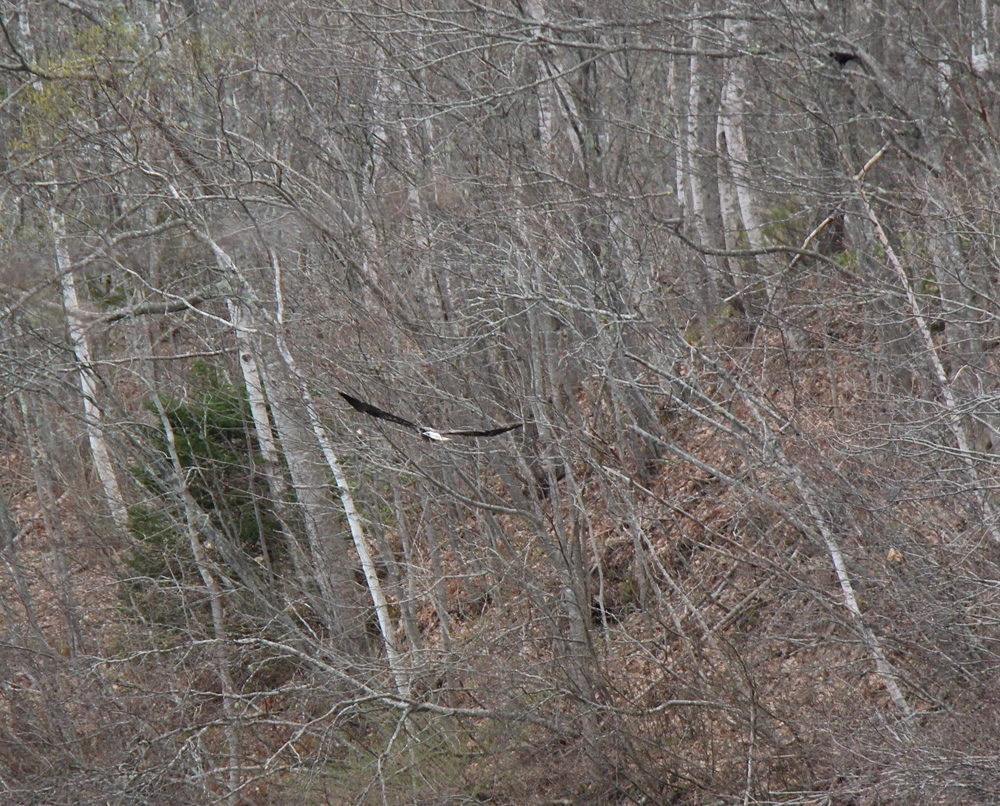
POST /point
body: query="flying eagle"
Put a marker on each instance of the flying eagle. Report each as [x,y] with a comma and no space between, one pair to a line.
[431,434]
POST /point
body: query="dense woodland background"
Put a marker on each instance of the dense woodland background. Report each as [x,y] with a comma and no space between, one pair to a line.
[734,266]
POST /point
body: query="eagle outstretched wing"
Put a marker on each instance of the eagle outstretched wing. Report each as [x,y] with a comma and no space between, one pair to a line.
[374,411]
[492,432]
[425,432]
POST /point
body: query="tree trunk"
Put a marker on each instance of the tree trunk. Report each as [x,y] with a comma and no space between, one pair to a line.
[92,415]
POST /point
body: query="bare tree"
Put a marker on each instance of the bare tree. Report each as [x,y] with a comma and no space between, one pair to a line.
[730,264]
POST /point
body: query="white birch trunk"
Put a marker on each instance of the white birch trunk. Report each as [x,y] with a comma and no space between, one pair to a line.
[953,413]
[400,675]
[695,117]
[553,92]
[699,199]
[882,665]
[253,384]
[88,378]
[732,122]
[330,565]
[729,204]
[981,53]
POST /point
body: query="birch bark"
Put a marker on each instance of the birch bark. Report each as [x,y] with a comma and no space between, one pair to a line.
[92,414]
[733,124]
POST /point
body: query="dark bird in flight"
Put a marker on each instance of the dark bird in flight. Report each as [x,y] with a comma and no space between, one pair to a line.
[842,57]
[427,433]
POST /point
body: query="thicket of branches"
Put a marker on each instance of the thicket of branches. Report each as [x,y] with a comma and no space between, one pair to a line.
[731,264]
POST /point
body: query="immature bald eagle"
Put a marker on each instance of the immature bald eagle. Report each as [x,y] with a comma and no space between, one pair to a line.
[427,433]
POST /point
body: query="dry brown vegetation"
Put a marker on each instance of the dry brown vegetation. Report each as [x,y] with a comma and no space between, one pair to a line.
[731,265]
